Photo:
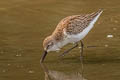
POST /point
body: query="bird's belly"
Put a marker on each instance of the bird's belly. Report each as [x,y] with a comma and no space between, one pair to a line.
[74,38]
[77,37]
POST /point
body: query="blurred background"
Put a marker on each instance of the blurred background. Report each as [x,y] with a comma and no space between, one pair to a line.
[25,23]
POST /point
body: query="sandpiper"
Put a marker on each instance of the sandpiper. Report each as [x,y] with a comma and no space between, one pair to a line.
[71,29]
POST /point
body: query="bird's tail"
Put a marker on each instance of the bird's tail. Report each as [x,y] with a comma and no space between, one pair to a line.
[99,11]
[94,14]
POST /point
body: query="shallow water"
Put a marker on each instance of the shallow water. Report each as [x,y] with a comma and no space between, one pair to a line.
[25,23]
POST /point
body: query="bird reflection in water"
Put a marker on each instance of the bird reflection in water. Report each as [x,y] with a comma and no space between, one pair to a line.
[57,75]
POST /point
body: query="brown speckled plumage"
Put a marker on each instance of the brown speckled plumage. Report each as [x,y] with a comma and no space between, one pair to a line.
[73,24]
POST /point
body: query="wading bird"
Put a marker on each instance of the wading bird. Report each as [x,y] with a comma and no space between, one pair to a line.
[71,29]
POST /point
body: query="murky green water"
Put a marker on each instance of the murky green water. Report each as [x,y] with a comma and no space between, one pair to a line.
[25,23]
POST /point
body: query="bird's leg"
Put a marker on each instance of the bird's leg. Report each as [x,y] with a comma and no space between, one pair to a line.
[76,45]
[81,56]
[81,52]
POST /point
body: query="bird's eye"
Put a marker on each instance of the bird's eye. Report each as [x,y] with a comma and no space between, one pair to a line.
[49,45]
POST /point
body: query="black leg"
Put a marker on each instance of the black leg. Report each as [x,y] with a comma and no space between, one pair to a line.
[76,45]
[81,57]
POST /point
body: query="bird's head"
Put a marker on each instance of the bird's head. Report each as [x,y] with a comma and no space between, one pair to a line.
[48,45]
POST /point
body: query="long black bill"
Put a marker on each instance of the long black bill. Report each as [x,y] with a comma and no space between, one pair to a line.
[43,56]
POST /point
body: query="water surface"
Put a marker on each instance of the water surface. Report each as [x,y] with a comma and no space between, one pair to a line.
[25,23]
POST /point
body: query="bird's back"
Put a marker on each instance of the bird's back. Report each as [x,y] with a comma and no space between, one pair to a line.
[73,25]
